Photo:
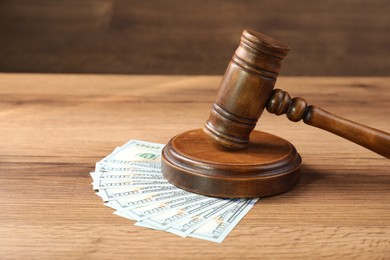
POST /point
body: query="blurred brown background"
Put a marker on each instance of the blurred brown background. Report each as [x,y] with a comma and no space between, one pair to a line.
[191,37]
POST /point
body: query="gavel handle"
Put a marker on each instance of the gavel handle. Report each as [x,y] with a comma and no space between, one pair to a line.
[296,109]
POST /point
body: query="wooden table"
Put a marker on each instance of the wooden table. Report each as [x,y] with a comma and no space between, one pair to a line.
[54,128]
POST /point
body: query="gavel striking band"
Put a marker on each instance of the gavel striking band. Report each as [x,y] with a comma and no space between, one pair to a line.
[269,165]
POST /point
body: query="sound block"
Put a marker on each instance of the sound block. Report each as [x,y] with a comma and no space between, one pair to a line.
[194,162]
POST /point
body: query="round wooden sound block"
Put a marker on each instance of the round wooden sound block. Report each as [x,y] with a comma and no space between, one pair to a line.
[194,162]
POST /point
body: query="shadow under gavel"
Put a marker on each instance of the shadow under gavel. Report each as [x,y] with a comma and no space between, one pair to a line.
[214,161]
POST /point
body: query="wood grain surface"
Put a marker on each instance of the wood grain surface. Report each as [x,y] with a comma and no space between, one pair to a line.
[53,129]
[334,37]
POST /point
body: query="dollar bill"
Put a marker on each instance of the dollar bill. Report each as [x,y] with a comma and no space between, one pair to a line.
[103,184]
[111,194]
[217,228]
[140,168]
[146,199]
[167,219]
[109,176]
[127,177]
[156,164]
[151,210]
[185,227]
[135,151]
[119,175]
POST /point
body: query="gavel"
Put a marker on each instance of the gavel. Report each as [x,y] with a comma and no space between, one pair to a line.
[227,158]
[247,88]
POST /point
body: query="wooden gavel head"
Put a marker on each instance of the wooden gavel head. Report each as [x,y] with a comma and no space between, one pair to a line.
[245,89]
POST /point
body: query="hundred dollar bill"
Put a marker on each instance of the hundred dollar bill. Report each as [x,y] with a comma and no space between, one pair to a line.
[155,165]
[167,219]
[120,169]
[111,194]
[151,210]
[220,226]
[185,227]
[146,199]
[125,176]
[102,184]
[135,151]
[104,168]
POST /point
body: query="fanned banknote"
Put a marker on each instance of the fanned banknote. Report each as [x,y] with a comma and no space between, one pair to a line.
[130,181]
